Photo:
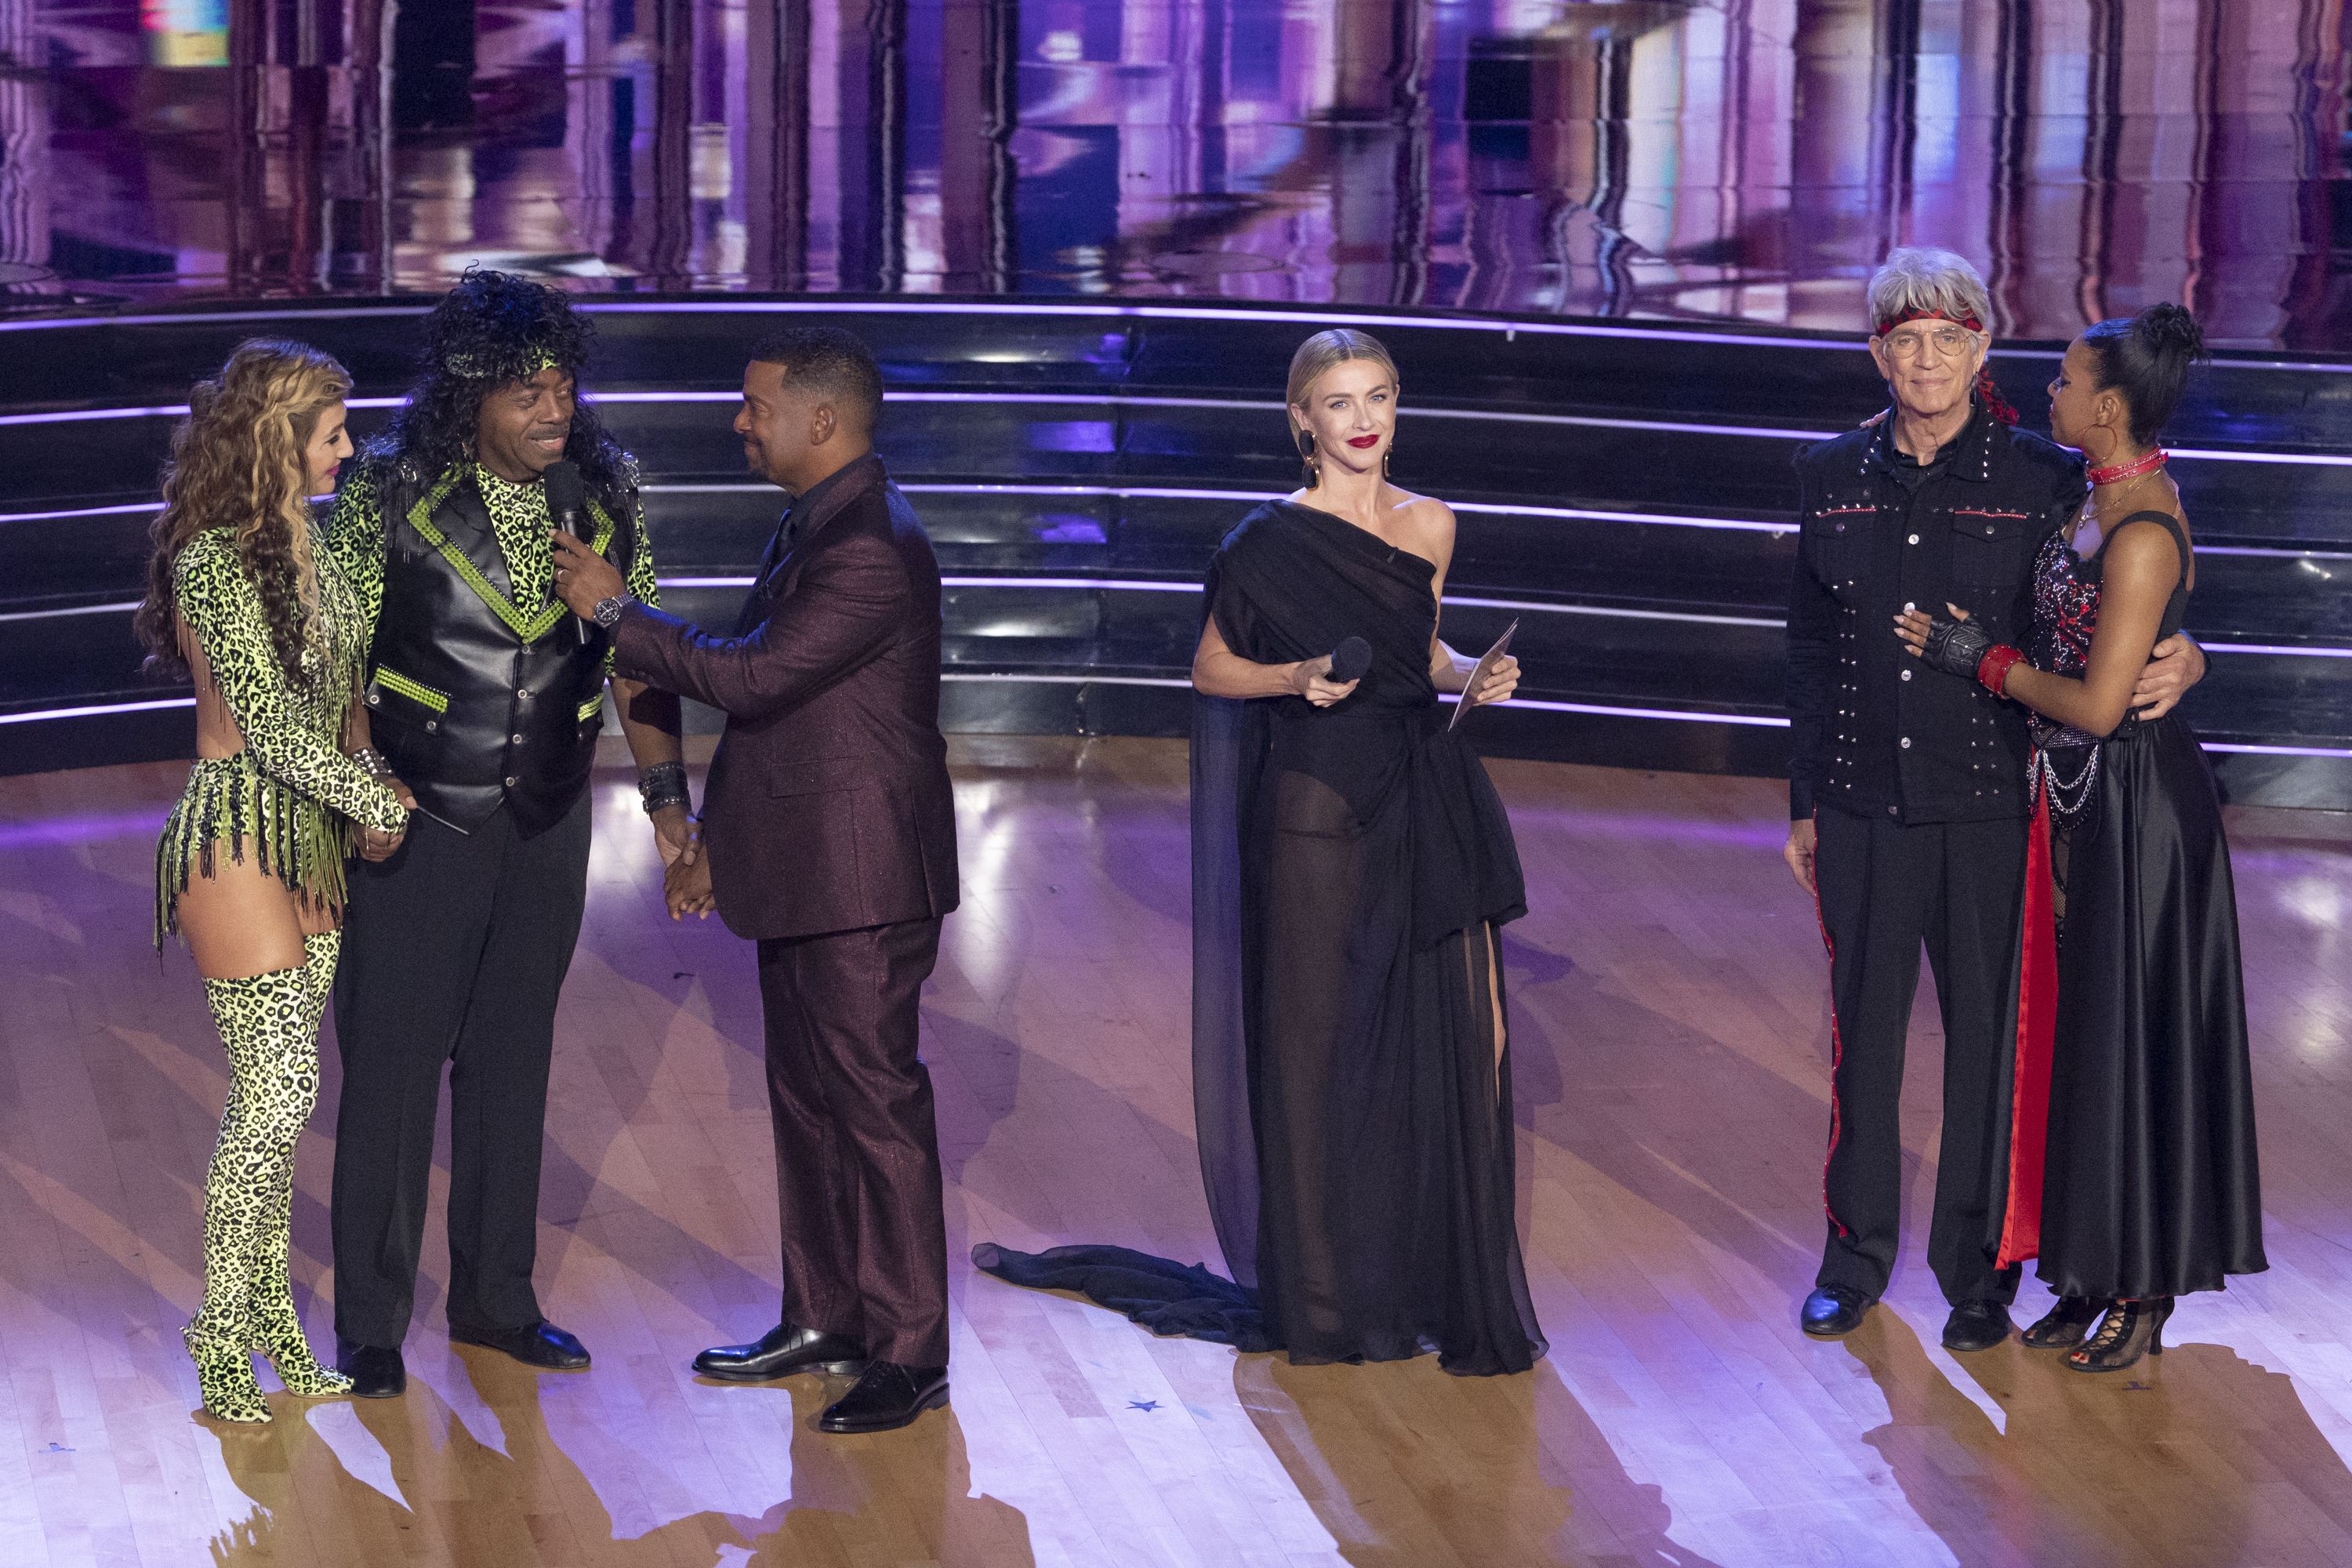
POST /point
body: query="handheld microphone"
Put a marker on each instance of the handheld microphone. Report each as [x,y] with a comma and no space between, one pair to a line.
[567,507]
[1350,660]
[567,497]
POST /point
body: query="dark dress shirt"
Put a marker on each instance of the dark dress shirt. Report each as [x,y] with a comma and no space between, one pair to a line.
[1872,732]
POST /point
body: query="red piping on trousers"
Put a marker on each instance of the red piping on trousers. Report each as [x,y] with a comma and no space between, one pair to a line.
[1837,1042]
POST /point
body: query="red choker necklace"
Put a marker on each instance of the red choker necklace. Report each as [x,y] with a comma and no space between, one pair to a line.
[2123,471]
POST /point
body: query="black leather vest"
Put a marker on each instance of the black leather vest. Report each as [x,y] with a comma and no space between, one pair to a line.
[475,705]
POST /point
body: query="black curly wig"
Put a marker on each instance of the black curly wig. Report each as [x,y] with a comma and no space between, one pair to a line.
[493,329]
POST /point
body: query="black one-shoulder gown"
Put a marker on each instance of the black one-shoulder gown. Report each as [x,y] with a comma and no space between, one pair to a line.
[1351,1075]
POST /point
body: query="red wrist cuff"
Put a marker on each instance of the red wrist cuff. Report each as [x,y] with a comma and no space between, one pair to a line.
[1994,669]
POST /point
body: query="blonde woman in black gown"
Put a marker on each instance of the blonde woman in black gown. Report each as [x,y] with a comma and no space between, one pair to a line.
[2132,1175]
[1351,868]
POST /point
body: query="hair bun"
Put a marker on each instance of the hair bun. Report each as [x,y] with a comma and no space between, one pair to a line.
[2169,329]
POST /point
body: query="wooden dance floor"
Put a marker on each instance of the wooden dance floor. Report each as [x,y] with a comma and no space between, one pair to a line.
[1671,1045]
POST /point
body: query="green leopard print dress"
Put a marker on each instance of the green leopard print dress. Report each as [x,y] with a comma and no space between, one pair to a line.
[291,796]
[291,793]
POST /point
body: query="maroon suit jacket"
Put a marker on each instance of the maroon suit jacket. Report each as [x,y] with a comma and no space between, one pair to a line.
[828,805]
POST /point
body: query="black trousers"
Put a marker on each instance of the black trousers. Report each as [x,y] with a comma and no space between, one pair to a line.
[453,952]
[857,1147]
[1885,889]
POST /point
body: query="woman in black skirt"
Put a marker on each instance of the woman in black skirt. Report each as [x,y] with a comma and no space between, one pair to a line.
[2132,1173]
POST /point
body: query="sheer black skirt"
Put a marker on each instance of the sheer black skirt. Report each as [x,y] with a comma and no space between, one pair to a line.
[1379,1087]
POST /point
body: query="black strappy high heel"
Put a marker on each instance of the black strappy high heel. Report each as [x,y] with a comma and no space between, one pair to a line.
[2064,1326]
[2130,1330]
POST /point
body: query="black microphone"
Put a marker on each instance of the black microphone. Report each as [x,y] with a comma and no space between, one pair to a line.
[567,507]
[567,497]
[1350,660]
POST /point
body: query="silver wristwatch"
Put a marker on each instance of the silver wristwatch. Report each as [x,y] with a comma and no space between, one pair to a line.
[608,611]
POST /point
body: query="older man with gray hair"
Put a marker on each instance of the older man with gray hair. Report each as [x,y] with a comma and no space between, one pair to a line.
[1907,800]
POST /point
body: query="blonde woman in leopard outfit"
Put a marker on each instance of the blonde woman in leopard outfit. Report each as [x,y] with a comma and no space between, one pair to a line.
[242,596]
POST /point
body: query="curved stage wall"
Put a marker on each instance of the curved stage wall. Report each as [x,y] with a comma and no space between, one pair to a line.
[1624,491]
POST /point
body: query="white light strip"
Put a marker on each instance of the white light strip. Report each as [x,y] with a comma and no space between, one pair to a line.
[1672,427]
[1457,600]
[1173,492]
[1068,679]
[2286,555]
[1589,708]
[1544,707]
[1130,585]
[165,410]
[1119,585]
[123,607]
[2277,751]
[1510,328]
[1117,400]
[94,712]
[81,511]
[2275,648]
[1663,519]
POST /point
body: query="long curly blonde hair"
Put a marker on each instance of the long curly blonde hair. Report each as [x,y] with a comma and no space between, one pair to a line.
[237,464]
[1332,346]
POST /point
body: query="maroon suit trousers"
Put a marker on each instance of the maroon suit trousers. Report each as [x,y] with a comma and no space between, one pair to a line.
[857,1147]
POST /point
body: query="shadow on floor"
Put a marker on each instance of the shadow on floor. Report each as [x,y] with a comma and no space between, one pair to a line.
[333,1482]
[1410,1468]
[2198,1457]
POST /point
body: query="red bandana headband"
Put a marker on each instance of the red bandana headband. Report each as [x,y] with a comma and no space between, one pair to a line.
[1987,392]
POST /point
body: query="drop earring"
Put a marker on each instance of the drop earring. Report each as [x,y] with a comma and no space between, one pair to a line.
[1307,456]
[1384,459]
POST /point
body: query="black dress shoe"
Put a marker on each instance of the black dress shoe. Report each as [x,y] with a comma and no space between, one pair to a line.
[887,1398]
[781,1351]
[1832,1310]
[539,1345]
[1975,1326]
[375,1373]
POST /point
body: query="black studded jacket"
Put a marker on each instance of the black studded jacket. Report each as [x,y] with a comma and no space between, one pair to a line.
[1871,732]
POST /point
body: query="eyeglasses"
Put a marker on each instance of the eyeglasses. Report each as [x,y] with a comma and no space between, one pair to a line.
[1948,341]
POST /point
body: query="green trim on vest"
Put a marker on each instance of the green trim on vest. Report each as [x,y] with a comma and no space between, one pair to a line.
[530,629]
[414,690]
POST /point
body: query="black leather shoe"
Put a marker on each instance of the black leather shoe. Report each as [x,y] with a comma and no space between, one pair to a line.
[1975,1326]
[375,1373]
[539,1345]
[781,1351]
[1832,1310]
[887,1398]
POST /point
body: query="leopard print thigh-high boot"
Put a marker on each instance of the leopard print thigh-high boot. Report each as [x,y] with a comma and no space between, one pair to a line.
[294,1087]
[260,1019]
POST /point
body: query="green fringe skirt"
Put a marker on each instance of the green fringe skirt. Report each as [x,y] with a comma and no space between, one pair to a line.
[227,802]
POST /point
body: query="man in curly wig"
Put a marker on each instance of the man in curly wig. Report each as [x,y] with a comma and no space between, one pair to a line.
[485,699]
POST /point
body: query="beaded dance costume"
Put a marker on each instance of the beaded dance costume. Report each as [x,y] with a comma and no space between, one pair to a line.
[2066,588]
[293,793]
[290,790]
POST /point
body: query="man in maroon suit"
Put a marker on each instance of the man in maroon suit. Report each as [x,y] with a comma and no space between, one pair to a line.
[829,839]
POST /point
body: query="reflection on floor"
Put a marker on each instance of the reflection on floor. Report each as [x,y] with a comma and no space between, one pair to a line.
[1748,159]
[1669,1050]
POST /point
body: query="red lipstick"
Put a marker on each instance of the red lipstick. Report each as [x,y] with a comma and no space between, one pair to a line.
[1361,441]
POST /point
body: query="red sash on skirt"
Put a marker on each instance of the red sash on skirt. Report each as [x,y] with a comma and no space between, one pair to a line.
[2037,1019]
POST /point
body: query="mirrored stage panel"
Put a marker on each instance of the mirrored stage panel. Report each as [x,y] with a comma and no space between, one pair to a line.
[1748,160]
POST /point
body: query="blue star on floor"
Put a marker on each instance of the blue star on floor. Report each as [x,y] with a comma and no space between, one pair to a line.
[1143,1405]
